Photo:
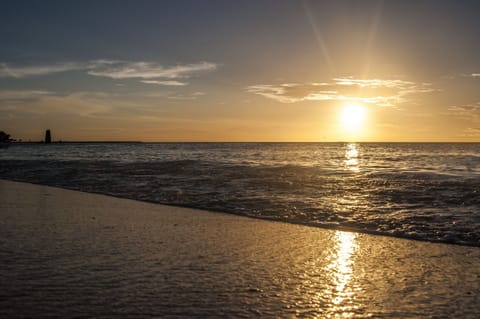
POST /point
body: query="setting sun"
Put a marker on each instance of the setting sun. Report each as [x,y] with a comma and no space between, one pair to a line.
[353,116]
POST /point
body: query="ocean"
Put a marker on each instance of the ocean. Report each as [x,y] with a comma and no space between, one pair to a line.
[423,191]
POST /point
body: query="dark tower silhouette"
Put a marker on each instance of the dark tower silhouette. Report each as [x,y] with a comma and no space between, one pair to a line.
[48,137]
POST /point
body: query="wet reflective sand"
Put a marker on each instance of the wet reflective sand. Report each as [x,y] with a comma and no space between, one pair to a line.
[70,254]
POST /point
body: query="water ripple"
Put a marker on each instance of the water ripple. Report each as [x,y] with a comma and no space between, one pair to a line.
[422,191]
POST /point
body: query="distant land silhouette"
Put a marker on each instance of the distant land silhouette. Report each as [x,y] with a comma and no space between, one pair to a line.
[4,137]
[6,140]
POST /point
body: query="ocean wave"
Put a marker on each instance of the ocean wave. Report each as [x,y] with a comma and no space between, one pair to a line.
[411,203]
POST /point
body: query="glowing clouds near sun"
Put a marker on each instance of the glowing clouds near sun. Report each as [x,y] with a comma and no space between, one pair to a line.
[380,92]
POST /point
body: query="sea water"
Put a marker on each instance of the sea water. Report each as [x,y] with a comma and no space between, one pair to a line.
[426,191]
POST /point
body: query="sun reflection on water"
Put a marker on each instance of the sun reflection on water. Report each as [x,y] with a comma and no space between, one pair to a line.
[341,268]
[351,158]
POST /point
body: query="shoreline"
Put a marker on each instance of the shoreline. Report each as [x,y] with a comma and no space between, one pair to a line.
[67,253]
[306,224]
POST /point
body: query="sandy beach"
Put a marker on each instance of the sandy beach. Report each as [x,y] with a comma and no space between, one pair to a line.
[70,254]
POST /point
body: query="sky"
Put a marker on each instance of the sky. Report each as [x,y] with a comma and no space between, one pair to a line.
[313,71]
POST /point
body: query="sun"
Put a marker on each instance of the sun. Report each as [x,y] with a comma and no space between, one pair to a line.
[353,116]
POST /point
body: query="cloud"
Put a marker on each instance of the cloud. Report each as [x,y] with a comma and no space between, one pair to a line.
[147,70]
[467,111]
[375,91]
[26,71]
[115,69]
[166,83]
[22,95]
[189,96]
[462,75]
[472,132]
[46,102]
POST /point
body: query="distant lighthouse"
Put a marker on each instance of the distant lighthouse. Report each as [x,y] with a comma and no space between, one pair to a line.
[48,137]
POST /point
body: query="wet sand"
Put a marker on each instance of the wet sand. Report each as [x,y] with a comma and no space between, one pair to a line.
[71,254]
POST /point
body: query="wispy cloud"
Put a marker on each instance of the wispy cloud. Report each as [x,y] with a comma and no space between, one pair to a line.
[46,102]
[472,132]
[165,83]
[375,91]
[26,71]
[148,70]
[22,95]
[462,75]
[185,96]
[466,112]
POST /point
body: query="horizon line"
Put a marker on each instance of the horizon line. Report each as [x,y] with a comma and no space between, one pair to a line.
[172,141]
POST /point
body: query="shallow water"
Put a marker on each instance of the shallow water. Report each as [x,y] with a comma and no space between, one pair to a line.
[427,191]
[67,254]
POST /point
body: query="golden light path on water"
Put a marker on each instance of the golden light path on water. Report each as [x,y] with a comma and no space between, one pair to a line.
[340,292]
[351,157]
[341,268]
[329,287]
[350,200]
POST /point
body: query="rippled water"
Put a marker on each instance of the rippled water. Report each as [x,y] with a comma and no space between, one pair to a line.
[414,190]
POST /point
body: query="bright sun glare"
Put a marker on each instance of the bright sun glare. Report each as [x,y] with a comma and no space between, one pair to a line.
[353,116]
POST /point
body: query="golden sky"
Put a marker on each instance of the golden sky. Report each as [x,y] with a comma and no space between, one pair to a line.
[250,71]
